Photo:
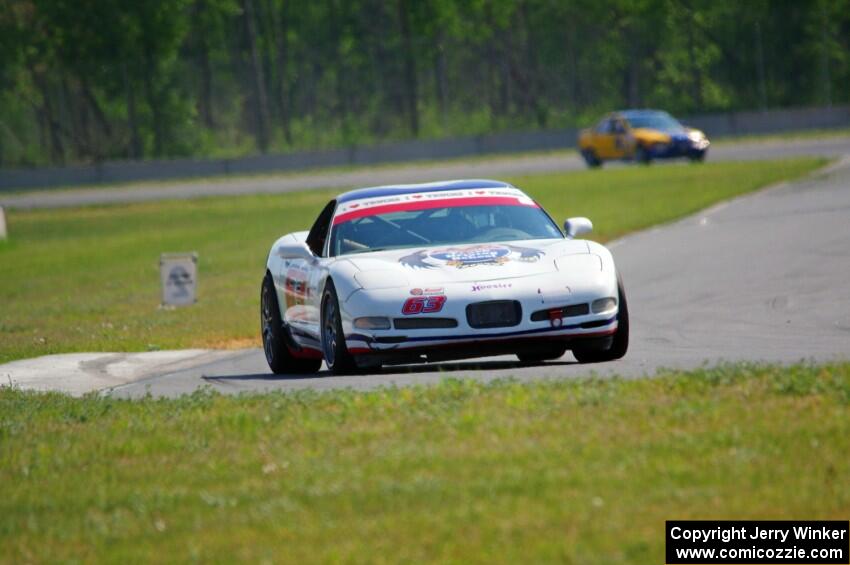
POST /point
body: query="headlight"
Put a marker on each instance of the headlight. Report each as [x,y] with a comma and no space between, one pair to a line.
[698,139]
[603,305]
[372,323]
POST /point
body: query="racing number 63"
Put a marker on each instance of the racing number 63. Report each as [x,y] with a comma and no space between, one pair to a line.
[423,305]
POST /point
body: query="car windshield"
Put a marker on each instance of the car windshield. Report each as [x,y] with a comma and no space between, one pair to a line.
[655,120]
[423,219]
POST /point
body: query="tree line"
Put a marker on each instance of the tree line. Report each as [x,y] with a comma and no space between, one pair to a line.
[91,80]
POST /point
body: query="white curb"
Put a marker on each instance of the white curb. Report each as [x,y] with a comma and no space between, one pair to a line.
[80,373]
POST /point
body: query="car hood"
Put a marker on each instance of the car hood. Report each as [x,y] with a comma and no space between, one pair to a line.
[462,263]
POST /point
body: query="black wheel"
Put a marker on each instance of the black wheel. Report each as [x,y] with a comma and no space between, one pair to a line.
[591,159]
[280,359]
[337,357]
[697,157]
[549,354]
[619,345]
[642,155]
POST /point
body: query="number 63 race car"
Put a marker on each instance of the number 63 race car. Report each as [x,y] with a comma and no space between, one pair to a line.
[435,272]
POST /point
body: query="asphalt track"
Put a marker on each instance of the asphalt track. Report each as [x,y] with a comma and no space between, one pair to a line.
[762,278]
[497,166]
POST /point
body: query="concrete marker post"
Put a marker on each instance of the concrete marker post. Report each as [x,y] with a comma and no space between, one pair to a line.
[178,273]
[3,232]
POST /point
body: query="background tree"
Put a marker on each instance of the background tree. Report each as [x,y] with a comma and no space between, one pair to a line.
[93,80]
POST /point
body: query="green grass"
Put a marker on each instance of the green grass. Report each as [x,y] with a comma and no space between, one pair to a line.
[582,471]
[825,133]
[87,279]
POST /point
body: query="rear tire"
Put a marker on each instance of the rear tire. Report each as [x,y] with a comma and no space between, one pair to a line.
[278,356]
[550,354]
[337,357]
[619,345]
[591,159]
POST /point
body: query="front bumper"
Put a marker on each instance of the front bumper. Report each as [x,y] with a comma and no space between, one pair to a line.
[679,147]
[535,294]
[489,347]
[359,343]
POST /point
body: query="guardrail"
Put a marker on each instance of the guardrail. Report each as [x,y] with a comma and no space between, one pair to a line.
[725,124]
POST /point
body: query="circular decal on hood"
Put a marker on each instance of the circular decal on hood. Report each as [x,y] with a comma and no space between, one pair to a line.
[479,255]
[472,256]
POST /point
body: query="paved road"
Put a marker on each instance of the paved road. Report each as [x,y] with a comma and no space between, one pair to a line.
[761,278]
[444,170]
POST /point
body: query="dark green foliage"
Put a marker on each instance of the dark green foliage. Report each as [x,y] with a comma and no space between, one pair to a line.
[102,79]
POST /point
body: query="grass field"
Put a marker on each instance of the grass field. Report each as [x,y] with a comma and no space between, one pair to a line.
[824,133]
[87,279]
[563,471]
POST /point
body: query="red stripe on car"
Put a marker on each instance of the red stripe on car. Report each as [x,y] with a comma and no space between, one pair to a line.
[412,206]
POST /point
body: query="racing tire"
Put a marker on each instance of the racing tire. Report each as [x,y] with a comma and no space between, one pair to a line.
[280,359]
[593,162]
[550,354]
[337,357]
[697,157]
[620,343]
[642,156]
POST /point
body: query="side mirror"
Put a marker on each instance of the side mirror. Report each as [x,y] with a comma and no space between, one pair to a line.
[574,227]
[294,251]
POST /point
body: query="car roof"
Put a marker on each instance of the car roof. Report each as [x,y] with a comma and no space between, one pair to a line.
[634,113]
[394,189]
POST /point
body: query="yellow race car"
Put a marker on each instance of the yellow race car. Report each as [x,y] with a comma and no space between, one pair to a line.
[640,135]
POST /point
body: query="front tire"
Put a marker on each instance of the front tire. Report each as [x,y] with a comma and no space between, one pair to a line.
[280,359]
[619,345]
[591,159]
[697,157]
[337,357]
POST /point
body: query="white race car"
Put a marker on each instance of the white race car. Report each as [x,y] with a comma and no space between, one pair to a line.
[435,272]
